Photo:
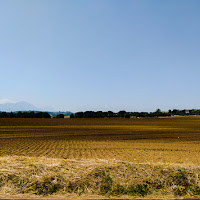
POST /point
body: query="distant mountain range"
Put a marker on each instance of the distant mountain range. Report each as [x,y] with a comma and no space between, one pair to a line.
[18,106]
[25,106]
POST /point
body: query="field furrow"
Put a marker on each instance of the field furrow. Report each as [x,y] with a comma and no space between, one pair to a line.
[170,140]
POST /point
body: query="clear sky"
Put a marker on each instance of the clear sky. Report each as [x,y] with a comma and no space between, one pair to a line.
[77,55]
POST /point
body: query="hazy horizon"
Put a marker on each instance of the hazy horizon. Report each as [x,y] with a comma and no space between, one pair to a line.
[133,55]
[51,109]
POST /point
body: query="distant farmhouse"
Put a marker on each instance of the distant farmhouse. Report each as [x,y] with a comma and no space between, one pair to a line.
[187,111]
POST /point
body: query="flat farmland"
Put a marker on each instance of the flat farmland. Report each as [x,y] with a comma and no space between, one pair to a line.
[165,140]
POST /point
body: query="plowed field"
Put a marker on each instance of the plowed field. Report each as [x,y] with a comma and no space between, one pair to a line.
[168,140]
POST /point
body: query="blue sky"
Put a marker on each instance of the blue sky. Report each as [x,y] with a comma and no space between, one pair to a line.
[137,55]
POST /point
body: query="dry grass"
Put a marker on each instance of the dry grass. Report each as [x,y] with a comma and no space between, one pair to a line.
[30,176]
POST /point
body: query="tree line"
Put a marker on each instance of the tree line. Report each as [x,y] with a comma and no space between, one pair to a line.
[124,114]
[24,115]
[101,114]
[120,114]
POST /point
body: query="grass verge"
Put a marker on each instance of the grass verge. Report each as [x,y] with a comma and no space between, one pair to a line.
[47,177]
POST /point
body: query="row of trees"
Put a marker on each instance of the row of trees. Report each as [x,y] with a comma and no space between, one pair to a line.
[124,114]
[100,114]
[184,112]
[120,114]
[24,115]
